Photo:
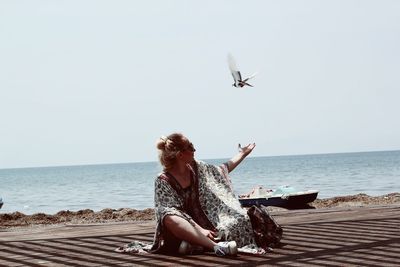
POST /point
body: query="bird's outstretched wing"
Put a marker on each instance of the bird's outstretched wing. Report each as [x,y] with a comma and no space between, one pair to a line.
[233,68]
[252,76]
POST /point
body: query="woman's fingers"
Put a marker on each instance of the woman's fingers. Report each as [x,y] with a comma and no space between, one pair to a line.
[212,235]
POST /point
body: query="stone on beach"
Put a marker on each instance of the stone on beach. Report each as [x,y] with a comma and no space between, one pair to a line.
[18,219]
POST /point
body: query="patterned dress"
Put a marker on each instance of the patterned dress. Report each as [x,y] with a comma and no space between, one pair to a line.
[209,201]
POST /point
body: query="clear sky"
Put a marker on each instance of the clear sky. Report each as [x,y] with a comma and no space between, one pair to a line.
[88,82]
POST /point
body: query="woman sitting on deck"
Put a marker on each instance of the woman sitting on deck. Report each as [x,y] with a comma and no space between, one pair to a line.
[195,204]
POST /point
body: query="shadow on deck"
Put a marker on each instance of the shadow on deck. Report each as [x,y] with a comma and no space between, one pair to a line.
[367,240]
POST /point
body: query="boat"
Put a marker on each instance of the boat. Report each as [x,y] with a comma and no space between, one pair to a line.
[285,197]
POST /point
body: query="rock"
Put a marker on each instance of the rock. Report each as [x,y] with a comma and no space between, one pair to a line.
[127,214]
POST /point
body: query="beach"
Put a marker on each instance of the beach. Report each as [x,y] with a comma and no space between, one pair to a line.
[17,220]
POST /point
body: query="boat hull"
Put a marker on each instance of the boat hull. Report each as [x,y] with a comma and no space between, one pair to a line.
[290,201]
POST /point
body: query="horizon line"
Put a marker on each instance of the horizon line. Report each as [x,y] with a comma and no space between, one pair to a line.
[137,162]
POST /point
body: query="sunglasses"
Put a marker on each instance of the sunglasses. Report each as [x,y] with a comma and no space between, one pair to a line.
[189,147]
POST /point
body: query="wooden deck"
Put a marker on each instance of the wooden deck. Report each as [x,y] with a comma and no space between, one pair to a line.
[326,237]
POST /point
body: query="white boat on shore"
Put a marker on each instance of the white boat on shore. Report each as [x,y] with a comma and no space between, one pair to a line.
[285,196]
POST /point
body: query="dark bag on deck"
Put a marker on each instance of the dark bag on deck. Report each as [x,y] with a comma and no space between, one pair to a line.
[267,232]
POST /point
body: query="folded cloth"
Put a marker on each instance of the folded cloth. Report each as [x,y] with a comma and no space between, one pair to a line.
[134,247]
[251,249]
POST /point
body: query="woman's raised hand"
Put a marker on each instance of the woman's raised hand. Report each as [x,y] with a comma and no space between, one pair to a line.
[247,149]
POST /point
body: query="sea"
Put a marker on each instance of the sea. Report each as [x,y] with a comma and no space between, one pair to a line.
[131,185]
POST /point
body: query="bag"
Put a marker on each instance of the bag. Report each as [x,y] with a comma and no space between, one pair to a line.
[267,232]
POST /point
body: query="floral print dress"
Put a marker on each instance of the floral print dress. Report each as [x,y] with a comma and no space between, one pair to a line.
[209,201]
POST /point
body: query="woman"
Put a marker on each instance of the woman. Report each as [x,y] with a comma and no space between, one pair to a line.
[195,204]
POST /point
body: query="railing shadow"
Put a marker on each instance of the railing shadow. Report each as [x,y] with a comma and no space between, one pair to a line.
[344,243]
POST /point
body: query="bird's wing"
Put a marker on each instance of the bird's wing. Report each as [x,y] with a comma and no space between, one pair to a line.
[236,76]
[252,76]
[233,68]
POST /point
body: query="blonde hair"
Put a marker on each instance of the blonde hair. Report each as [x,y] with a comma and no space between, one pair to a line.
[169,147]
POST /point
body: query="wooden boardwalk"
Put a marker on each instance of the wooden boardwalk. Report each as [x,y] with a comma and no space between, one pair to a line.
[368,236]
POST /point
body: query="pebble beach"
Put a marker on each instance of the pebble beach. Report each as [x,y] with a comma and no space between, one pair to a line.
[17,220]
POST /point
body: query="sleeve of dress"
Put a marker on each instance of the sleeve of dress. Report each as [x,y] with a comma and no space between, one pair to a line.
[223,169]
[167,201]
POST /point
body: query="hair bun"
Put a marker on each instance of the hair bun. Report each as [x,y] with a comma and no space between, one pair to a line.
[162,142]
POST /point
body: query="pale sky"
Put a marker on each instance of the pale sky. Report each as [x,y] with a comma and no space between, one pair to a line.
[90,82]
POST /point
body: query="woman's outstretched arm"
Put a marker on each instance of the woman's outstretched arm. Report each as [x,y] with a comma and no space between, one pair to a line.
[244,151]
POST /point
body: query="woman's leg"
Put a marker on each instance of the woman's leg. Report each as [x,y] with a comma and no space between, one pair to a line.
[184,230]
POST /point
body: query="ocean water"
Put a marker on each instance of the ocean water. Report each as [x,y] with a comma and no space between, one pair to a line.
[130,185]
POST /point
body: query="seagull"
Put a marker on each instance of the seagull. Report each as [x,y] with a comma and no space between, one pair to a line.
[237,77]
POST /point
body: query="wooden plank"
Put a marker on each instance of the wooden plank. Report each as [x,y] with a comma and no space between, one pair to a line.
[326,237]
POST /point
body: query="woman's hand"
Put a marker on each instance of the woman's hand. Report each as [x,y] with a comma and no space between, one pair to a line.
[247,149]
[243,152]
[208,233]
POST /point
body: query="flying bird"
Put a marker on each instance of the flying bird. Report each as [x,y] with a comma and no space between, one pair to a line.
[237,77]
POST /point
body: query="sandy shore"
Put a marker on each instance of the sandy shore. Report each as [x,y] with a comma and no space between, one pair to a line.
[17,219]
